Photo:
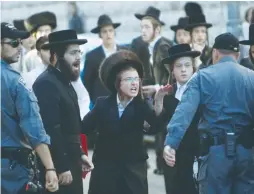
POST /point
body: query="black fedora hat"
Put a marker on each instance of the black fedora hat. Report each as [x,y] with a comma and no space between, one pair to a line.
[251,36]
[63,37]
[40,19]
[104,20]
[180,50]
[197,20]
[182,23]
[19,24]
[151,12]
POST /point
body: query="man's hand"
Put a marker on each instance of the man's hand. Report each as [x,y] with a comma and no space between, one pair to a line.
[87,164]
[163,90]
[51,181]
[169,156]
[65,178]
[149,90]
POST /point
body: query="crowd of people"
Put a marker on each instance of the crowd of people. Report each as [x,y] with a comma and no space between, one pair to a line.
[197,99]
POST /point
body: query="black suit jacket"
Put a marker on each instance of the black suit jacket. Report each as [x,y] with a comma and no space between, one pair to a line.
[91,79]
[120,139]
[59,110]
[246,62]
[190,142]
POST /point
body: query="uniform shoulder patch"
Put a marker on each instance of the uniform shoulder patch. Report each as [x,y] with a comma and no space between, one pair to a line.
[23,83]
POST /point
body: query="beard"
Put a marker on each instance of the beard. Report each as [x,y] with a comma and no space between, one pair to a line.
[69,69]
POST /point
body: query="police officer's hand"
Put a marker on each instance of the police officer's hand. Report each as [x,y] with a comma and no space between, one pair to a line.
[169,156]
[65,178]
[51,181]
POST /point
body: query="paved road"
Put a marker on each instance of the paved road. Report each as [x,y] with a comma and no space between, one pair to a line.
[155,182]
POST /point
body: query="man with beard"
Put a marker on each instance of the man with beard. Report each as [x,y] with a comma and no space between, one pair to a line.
[158,46]
[60,111]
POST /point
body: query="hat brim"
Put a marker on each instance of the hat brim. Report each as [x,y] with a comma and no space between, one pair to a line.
[74,41]
[176,27]
[191,26]
[141,16]
[247,42]
[98,28]
[172,58]
[20,34]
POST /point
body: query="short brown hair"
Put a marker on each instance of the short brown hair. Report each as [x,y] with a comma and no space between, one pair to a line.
[41,41]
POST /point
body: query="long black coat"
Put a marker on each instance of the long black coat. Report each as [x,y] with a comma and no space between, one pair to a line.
[61,118]
[91,78]
[119,155]
[179,179]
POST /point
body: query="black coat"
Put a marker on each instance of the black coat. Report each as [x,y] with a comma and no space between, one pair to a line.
[246,62]
[119,155]
[91,78]
[60,114]
[179,178]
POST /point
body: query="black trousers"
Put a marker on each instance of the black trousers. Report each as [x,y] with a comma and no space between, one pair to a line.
[119,178]
[179,179]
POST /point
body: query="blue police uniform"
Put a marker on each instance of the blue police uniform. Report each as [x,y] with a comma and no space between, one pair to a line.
[225,93]
[21,125]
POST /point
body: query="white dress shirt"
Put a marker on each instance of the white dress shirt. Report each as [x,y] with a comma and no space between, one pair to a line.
[120,107]
[151,48]
[108,52]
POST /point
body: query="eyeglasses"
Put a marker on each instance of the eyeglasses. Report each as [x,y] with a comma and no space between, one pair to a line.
[75,53]
[131,79]
[13,43]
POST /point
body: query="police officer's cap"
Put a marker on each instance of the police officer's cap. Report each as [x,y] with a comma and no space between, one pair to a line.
[9,31]
[227,41]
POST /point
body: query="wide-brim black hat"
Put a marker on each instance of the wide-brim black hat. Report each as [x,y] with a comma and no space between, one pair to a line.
[182,23]
[151,12]
[41,19]
[196,21]
[19,24]
[104,20]
[251,36]
[63,37]
[115,63]
[180,50]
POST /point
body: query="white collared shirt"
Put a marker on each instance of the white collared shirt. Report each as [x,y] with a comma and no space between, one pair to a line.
[120,107]
[108,52]
[180,90]
[151,48]
[31,76]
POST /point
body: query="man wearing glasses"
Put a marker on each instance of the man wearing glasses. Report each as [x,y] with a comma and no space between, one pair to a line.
[22,128]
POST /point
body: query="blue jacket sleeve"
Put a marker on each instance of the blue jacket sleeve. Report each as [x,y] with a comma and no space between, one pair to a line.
[30,119]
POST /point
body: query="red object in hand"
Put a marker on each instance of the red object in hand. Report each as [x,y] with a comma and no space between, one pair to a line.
[84,147]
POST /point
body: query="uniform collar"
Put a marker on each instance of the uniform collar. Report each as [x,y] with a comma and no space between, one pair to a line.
[6,65]
[227,59]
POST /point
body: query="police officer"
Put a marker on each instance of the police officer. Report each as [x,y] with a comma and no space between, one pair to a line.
[22,128]
[225,93]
